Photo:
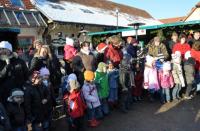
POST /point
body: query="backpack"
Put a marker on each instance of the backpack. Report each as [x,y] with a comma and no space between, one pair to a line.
[75,104]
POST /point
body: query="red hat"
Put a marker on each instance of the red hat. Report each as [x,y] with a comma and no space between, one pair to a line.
[101,47]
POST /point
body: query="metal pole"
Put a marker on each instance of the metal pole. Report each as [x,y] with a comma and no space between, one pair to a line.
[117,20]
[136,34]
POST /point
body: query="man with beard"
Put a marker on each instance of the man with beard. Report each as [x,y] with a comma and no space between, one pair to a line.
[13,70]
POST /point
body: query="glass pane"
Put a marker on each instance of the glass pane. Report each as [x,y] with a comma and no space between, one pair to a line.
[21,18]
[12,18]
[3,20]
[30,19]
[17,3]
[25,42]
[39,19]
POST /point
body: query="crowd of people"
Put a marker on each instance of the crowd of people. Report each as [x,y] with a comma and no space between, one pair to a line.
[94,82]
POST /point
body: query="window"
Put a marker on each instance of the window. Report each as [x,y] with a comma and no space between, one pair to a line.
[87,11]
[58,7]
[18,3]
[25,41]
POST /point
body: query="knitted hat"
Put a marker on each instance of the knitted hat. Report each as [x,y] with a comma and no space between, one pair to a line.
[71,77]
[101,47]
[167,66]
[89,75]
[187,55]
[101,66]
[44,71]
[69,41]
[15,92]
[6,45]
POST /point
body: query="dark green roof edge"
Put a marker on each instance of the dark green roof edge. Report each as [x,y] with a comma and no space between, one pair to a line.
[147,27]
[14,30]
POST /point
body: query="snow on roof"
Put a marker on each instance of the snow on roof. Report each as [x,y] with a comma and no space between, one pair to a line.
[77,13]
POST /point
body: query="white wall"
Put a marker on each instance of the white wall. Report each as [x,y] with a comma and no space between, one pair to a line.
[35,32]
[194,16]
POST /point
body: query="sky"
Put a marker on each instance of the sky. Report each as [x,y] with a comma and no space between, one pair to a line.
[160,9]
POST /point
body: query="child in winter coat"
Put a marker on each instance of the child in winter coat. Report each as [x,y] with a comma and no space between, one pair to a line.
[101,78]
[15,110]
[92,99]
[177,73]
[75,105]
[51,100]
[113,78]
[189,68]
[126,79]
[166,82]
[139,78]
[151,77]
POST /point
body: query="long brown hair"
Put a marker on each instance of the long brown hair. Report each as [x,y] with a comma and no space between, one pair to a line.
[49,54]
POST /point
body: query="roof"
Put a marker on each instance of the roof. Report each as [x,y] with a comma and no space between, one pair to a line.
[149,27]
[8,4]
[192,10]
[77,13]
[109,5]
[20,18]
[172,20]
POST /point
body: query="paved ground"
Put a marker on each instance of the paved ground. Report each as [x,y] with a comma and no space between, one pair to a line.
[146,116]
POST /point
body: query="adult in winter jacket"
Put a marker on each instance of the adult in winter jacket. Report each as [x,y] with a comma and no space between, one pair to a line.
[13,70]
[195,53]
[172,42]
[86,57]
[196,38]
[69,53]
[84,60]
[46,59]
[183,47]
[158,49]
[132,47]
[113,53]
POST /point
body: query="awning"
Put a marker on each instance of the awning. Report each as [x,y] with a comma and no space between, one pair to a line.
[20,18]
[14,30]
[148,27]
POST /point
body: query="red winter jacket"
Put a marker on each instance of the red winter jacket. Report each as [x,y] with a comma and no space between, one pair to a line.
[183,48]
[196,55]
[114,55]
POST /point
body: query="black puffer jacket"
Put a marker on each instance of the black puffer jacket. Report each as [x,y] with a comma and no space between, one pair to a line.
[35,110]
[189,70]
[12,75]
[4,120]
[52,64]
[16,114]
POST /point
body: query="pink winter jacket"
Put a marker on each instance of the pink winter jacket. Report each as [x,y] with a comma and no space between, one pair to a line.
[166,81]
[151,78]
[70,52]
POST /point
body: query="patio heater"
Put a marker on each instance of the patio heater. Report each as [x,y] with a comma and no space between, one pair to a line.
[136,26]
[117,15]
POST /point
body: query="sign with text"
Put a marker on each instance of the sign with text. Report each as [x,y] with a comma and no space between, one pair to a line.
[133,33]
